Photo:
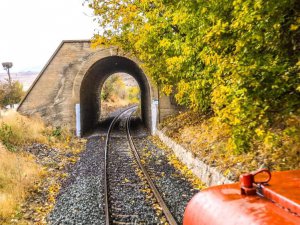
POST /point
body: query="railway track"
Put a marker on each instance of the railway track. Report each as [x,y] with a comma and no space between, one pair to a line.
[123,198]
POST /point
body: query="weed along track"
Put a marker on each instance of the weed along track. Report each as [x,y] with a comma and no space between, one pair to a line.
[130,195]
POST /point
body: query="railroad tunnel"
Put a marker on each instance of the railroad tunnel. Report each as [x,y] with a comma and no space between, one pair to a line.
[93,81]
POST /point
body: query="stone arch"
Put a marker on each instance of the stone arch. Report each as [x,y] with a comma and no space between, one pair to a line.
[56,91]
[95,78]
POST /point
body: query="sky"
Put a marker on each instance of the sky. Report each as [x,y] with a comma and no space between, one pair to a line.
[31,30]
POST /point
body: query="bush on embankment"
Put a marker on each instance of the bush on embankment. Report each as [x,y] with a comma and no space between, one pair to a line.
[236,60]
[207,138]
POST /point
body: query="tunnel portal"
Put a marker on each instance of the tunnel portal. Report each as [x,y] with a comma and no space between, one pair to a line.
[71,81]
[93,82]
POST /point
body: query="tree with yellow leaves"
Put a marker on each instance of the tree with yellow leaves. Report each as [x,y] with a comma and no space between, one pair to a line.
[238,60]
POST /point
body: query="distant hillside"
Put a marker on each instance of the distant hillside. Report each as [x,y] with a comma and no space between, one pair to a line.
[26,78]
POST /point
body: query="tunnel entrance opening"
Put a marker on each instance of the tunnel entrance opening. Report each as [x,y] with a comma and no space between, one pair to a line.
[119,91]
[93,81]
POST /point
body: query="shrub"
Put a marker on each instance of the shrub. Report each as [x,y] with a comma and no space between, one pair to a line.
[207,138]
[10,94]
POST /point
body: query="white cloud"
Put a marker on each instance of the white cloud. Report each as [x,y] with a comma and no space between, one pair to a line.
[31,30]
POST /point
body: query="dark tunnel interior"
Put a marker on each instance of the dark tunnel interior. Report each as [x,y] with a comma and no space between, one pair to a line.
[93,82]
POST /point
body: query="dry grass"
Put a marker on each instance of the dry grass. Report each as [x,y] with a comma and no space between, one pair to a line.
[18,173]
[207,138]
[29,183]
[18,130]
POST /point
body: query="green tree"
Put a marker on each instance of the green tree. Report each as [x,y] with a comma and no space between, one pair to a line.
[10,94]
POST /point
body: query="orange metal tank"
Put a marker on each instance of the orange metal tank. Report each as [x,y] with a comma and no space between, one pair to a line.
[275,202]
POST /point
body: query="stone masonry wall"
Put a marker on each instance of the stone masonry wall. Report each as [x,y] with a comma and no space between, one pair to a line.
[57,89]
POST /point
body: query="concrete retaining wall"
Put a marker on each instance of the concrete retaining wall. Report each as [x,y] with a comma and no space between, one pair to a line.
[207,174]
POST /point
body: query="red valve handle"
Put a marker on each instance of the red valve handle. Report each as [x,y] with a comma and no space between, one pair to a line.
[261,171]
[248,179]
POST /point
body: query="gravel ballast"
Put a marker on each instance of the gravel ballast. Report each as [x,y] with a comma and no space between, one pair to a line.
[130,202]
[81,198]
[176,189]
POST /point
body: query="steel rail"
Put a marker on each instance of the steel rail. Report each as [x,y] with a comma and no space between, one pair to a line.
[107,216]
[156,193]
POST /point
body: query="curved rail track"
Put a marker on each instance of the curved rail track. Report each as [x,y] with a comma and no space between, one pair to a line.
[167,214]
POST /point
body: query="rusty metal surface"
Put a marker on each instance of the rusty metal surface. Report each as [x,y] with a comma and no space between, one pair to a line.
[284,189]
[224,204]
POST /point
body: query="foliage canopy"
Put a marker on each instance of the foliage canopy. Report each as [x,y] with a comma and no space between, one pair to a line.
[236,59]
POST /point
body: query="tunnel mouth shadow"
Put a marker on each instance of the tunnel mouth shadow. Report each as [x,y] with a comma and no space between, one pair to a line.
[90,105]
[137,128]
